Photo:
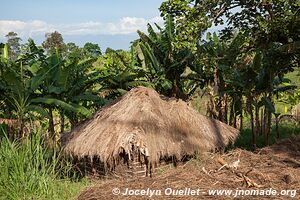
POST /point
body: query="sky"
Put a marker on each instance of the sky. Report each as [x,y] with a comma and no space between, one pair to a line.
[109,23]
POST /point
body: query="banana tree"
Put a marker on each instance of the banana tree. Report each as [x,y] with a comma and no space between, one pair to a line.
[16,94]
[119,73]
[40,84]
[164,61]
[66,86]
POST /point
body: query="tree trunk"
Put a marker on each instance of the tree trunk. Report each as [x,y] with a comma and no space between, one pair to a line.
[222,107]
[257,124]
[268,127]
[226,109]
[177,90]
[211,106]
[73,121]
[262,122]
[62,121]
[21,128]
[277,122]
[253,131]
[241,114]
[265,124]
[232,114]
[219,84]
[268,122]
[234,121]
[241,120]
[51,126]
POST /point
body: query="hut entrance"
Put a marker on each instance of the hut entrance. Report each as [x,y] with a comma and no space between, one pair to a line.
[134,163]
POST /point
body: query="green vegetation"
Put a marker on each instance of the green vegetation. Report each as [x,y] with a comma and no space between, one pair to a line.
[31,171]
[247,76]
[286,130]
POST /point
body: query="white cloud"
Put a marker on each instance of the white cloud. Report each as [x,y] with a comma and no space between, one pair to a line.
[125,25]
[23,28]
[158,20]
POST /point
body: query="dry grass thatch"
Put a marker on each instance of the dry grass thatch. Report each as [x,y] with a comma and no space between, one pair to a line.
[296,111]
[158,126]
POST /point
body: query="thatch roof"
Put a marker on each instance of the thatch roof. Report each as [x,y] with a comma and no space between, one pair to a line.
[160,126]
[296,111]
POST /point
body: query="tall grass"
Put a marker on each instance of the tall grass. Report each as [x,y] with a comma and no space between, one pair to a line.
[28,170]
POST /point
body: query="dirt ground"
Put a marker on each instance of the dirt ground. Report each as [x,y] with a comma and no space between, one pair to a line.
[276,167]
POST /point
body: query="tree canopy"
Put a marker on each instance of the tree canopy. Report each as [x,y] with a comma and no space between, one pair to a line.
[54,41]
[14,46]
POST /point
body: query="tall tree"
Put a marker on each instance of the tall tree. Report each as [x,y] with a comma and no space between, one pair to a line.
[54,41]
[73,52]
[14,46]
[91,50]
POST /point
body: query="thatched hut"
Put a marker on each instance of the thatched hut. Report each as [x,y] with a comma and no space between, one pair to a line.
[145,127]
[296,111]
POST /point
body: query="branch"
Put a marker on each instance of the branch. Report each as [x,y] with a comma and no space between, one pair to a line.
[268,7]
[223,10]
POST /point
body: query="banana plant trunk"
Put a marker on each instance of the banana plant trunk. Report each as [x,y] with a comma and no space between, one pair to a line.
[51,126]
[262,127]
[21,128]
[62,121]
[232,118]
[250,111]
[257,123]
[268,122]
[241,121]
[268,131]
[277,125]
